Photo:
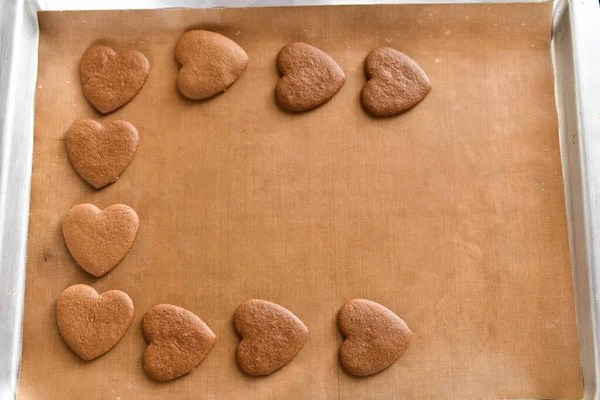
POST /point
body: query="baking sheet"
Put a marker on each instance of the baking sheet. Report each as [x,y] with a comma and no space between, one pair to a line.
[452,215]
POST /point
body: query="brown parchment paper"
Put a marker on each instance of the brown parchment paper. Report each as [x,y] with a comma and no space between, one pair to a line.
[452,215]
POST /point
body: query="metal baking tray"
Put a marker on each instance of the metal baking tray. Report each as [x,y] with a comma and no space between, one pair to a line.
[576,57]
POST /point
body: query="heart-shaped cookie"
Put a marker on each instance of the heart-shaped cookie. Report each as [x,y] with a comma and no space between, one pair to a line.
[93,323]
[101,153]
[210,63]
[375,337]
[111,80]
[98,240]
[177,342]
[396,83]
[310,77]
[271,336]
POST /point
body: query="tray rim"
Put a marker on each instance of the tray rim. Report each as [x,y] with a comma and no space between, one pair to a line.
[579,118]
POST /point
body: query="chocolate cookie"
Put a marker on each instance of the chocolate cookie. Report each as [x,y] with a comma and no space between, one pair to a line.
[111,80]
[375,337]
[98,240]
[396,83]
[310,77]
[101,153]
[93,323]
[271,336]
[177,342]
[210,63]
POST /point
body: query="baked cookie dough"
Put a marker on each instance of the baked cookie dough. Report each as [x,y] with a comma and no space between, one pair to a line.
[99,239]
[271,336]
[310,77]
[111,80]
[375,337]
[177,342]
[99,153]
[91,323]
[210,63]
[396,83]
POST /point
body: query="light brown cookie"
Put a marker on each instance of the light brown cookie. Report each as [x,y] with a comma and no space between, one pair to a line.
[396,83]
[210,63]
[177,342]
[111,80]
[310,77]
[98,240]
[93,323]
[101,153]
[271,336]
[375,337]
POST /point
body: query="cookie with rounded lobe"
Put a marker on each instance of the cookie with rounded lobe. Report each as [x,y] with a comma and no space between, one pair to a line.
[177,342]
[100,153]
[375,337]
[99,239]
[91,323]
[396,83]
[271,336]
[110,80]
[210,63]
[310,77]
